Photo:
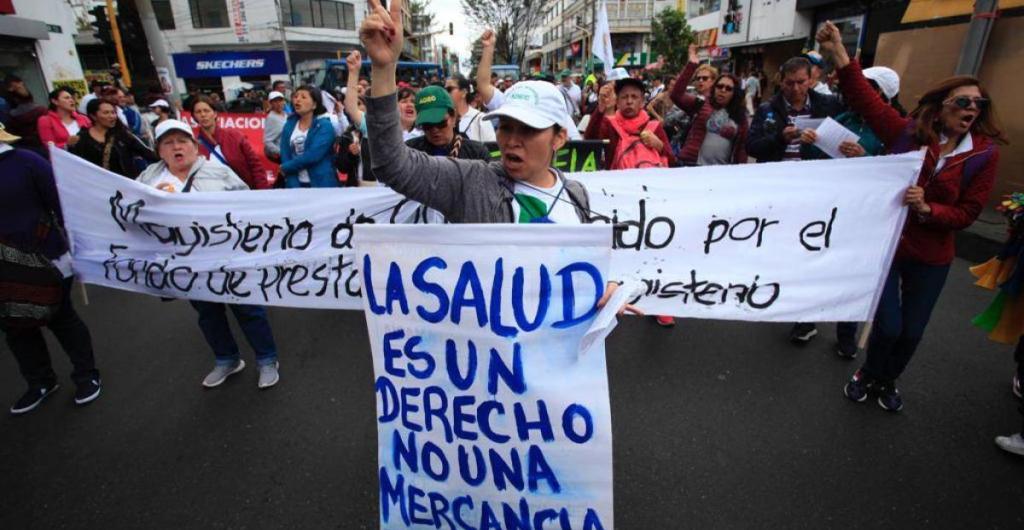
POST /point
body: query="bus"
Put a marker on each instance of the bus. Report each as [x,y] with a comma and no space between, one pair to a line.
[332,74]
[506,70]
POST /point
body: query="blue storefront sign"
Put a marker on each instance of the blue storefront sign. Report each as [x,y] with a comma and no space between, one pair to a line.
[220,64]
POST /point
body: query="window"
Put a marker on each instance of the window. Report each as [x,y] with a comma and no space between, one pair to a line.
[164,14]
[319,14]
[696,8]
[209,13]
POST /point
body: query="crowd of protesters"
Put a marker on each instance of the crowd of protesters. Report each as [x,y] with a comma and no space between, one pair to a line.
[429,144]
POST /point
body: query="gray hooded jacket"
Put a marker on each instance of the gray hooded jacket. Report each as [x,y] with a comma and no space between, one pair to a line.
[464,191]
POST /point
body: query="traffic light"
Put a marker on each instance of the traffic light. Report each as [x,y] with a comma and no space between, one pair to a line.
[451,28]
[101,25]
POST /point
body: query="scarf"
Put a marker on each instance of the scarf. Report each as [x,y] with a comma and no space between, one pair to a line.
[632,126]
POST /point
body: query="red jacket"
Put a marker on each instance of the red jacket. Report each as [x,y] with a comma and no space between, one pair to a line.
[699,111]
[239,155]
[928,239]
[601,129]
[51,128]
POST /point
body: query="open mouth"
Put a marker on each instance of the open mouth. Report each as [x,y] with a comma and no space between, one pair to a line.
[967,120]
[179,157]
[516,159]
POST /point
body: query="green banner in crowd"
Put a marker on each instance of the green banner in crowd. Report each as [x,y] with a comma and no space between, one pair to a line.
[576,157]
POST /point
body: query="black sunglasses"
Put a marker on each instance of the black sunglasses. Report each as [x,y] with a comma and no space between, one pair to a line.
[703,78]
[964,102]
[724,88]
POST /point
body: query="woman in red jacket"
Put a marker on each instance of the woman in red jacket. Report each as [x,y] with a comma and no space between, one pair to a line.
[955,121]
[227,146]
[63,124]
[718,130]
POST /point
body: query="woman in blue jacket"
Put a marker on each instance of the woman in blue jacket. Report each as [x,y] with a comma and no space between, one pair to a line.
[307,143]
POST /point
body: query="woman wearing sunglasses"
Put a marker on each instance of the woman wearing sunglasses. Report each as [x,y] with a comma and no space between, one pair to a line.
[955,121]
[718,127]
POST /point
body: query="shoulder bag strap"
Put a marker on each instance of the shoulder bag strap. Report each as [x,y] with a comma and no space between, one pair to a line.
[211,148]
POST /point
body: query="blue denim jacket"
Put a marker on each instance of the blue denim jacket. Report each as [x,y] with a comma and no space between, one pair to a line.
[317,158]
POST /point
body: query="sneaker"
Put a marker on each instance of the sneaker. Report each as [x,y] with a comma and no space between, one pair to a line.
[803,332]
[665,321]
[32,398]
[221,372]
[889,397]
[847,349]
[1016,387]
[87,392]
[268,375]
[1011,444]
[858,386]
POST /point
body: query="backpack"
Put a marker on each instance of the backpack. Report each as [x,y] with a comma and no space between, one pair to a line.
[631,153]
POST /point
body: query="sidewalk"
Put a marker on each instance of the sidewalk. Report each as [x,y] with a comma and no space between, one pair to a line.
[983,239]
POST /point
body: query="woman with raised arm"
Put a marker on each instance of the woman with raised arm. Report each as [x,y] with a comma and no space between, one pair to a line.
[956,123]
[520,188]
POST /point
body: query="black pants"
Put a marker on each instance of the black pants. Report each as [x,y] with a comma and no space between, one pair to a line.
[1018,355]
[33,357]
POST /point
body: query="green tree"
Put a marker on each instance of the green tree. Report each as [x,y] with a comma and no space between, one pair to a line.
[671,37]
[422,18]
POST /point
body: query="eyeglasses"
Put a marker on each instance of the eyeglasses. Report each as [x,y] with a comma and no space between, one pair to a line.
[703,78]
[964,102]
[724,87]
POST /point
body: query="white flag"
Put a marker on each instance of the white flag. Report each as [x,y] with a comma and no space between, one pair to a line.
[602,44]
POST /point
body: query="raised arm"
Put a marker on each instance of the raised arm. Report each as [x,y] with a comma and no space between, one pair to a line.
[437,182]
[353,61]
[883,119]
[483,68]
[684,100]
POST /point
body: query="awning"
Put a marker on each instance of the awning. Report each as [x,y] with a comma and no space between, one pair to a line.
[922,10]
[23,28]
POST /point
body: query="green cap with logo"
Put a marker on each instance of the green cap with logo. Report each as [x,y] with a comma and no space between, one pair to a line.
[432,105]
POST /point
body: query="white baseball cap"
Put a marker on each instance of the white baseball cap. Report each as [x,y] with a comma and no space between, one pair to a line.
[538,104]
[167,126]
[617,73]
[160,103]
[887,78]
[274,94]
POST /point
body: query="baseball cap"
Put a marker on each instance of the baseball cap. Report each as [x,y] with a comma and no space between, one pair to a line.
[6,137]
[617,73]
[160,103]
[886,78]
[537,104]
[432,105]
[274,94]
[815,58]
[167,126]
[628,81]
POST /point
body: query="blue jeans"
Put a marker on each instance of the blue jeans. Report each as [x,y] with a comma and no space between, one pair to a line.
[910,294]
[213,320]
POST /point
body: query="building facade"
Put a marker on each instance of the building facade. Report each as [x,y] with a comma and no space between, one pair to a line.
[37,45]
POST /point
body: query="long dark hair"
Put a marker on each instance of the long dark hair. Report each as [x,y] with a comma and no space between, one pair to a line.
[929,108]
[315,95]
[737,107]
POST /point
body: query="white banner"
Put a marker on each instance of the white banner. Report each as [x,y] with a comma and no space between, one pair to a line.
[789,241]
[490,378]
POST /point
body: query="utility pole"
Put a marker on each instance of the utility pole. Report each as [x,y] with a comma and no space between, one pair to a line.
[126,76]
[985,13]
[284,42]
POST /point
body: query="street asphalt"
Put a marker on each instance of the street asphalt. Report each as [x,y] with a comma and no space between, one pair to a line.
[716,425]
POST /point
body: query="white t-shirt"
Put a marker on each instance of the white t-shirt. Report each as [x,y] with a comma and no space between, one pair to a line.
[475,127]
[537,200]
[298,143]
[409,135]
[168,182]
[73,127]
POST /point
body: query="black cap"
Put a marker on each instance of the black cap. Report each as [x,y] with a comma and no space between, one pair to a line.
[629,81]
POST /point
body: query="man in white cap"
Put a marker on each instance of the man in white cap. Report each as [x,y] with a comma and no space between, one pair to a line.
[273,125]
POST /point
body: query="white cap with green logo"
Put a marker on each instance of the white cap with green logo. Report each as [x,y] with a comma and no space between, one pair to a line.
[537,104]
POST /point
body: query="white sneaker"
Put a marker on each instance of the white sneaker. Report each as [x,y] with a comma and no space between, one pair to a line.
[1011,444]
[221,372]
[268,375]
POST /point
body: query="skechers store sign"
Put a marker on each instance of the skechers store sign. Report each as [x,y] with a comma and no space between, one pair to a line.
[220,64]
